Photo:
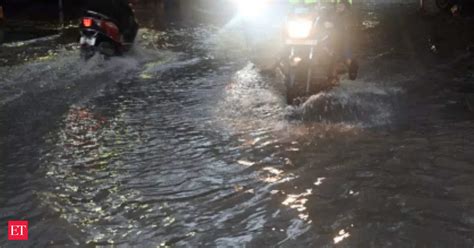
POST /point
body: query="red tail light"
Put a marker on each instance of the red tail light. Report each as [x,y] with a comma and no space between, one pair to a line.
[87,22]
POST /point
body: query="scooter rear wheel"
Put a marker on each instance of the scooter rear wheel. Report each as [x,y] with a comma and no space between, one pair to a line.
[87,52]
[107,49]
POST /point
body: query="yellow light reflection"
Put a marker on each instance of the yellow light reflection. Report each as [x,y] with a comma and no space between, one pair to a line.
[298,201]
[319,181]
[341,236]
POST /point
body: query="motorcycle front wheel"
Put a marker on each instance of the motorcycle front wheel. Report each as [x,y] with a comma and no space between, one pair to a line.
[296,84]
[290,82]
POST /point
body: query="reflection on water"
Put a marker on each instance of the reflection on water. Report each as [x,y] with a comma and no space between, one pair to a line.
[157,161]
[298,202]
[341,236]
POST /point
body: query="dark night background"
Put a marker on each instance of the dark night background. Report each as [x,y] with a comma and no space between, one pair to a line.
[40,9]
[48,9]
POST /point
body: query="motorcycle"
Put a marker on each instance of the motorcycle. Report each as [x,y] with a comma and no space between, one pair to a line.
[101,34]
[309,62]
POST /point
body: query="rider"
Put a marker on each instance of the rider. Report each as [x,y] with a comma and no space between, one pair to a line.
[120,11]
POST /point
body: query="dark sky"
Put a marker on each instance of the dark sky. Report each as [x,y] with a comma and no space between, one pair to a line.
[40,9]
[47,9]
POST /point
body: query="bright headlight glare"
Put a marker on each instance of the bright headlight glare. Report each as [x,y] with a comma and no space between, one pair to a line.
[250,8]
[299,29]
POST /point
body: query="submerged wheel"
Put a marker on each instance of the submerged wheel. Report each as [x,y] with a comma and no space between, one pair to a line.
[107,49]
[86,53]
[291,95]
[296,84]
[290,86]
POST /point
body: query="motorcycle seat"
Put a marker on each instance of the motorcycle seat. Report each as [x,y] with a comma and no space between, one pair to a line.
[100,16]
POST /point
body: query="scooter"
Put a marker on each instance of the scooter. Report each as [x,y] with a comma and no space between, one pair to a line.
[101,34]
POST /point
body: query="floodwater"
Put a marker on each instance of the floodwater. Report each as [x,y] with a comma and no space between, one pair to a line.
[185,143]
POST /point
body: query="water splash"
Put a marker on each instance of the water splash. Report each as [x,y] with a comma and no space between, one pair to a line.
[355,103]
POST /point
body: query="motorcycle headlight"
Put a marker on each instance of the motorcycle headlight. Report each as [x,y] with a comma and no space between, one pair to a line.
[299,29]
[250,8]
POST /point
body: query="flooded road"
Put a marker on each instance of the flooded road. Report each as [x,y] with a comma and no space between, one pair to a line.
[184,143]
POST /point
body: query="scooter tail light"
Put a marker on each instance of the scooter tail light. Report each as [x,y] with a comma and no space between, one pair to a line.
[87,22]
